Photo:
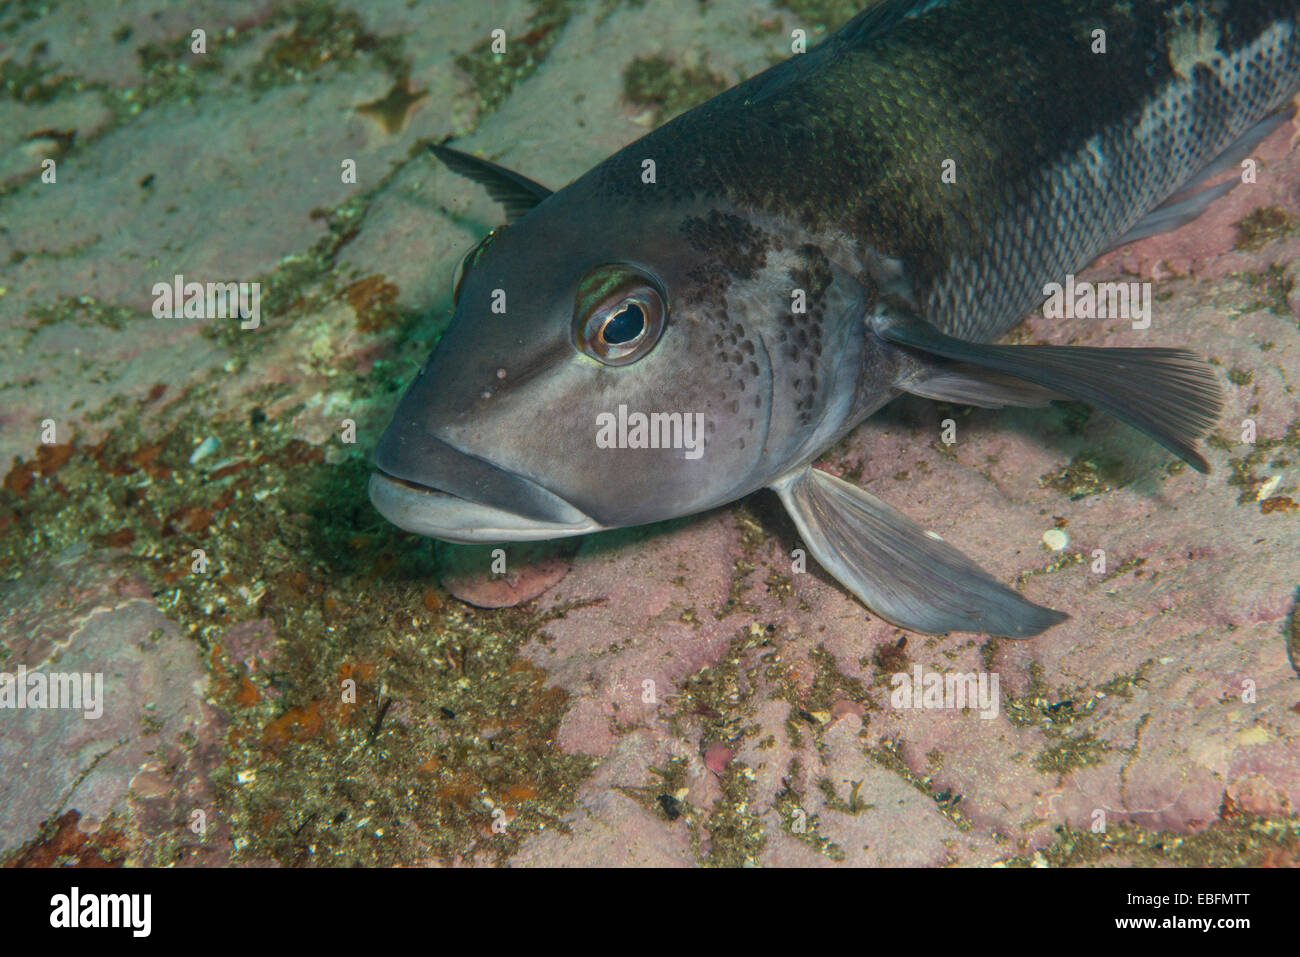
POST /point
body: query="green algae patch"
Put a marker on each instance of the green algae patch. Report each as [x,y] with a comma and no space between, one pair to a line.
[495,75]
[14,13]
[654,82]
[1131,564]
[1263,226]
[1061,560]
[371,730]
[1051,712]
[1269,290]
[664,794]
[323,34]
[890,755]
[1071,752]
[302,285]
[713,705]
[608,7]
[752,537]
[1235,840]
[1088,473]
[852,806]
[1293,635]
[736,835]
[1244,473]
[1122,685]
[830,684]
[398,735]
[34,82]
[810,712]
[171,74]
[801,825]
[86,310]
[371,719]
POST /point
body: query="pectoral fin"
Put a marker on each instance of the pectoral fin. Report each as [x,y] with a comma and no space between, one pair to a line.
[900,571]
[972,385]
[518,194]
[1170,394]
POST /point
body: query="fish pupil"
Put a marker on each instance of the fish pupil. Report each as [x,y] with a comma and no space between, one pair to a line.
[625,326]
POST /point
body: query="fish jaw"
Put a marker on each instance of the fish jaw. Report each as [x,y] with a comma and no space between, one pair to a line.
[426,485]
[425,510]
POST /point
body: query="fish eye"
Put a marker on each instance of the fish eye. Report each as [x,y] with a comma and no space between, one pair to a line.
[467,262]
[619,314]
[624,326]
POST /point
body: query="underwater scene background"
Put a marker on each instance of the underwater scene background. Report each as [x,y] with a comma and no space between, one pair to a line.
[287,678]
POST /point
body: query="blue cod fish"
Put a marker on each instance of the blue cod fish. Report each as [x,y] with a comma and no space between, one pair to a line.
[788,257]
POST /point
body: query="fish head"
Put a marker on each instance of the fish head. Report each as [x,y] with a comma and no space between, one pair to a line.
[590,378]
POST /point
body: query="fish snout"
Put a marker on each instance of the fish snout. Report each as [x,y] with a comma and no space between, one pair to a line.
[426,485]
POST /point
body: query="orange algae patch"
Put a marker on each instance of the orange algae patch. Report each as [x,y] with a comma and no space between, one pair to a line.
[296,724]
[373,300]
[1278,503]
[247,695]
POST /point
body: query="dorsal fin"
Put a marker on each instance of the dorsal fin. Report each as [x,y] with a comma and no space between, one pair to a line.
[880,17]
[518,194]
[876,19]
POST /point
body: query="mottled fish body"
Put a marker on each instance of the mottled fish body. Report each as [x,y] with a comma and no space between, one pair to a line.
[781,261]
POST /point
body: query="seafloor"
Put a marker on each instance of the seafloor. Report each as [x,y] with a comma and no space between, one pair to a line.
[673,695]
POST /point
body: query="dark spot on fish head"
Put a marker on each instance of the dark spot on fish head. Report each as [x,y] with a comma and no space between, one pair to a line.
[736,244]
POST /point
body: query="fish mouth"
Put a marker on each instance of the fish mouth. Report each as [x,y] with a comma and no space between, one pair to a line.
[471,500]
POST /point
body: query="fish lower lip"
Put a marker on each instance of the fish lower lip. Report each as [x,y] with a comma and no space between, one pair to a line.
[410,453]
[426,510]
